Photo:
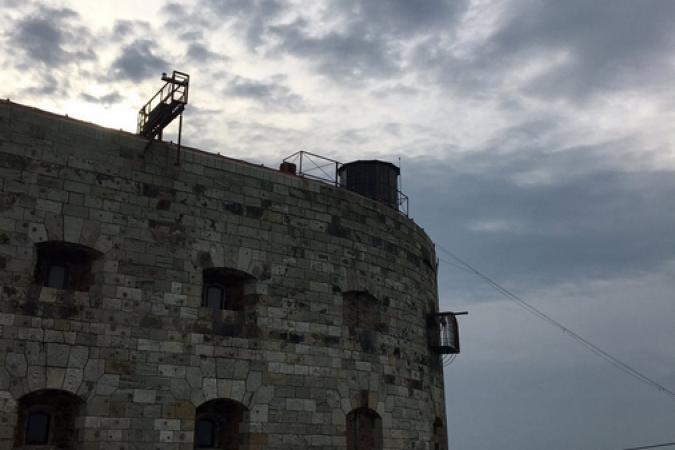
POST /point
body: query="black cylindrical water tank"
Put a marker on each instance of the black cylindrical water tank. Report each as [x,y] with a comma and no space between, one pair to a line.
[374,179]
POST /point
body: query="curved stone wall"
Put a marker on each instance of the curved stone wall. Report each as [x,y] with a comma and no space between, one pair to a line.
[333,317]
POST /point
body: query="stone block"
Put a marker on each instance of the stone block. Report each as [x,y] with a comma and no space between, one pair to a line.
[144,396]
[78,357]
[55,377]
[94,369]
[72,228]
[57,355]
[72,380]
[167,424]
[35,378]
[194,377]
[16,364]
[259,413]
[180,389]
[253,381]
[37,232]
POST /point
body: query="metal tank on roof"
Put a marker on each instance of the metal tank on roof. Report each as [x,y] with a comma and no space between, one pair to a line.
[373,179]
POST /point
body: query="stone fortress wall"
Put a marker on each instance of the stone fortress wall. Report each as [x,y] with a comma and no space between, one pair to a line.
[328,338]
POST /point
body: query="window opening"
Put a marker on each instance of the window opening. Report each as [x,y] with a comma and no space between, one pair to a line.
[205,433]
[218,425]
[57,277]
[364,430]
[48,417]
[224,288]
[37,429]
[64,265]
[215,296]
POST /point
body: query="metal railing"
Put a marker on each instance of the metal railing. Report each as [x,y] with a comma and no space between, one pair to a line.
[315,166]
[402,202]
[319,168]
[172,96]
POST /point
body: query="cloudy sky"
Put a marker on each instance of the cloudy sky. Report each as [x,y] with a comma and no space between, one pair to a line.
[537,142]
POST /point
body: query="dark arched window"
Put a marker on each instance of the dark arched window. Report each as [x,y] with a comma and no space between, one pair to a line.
[224,288]
[48,417]
[218,425]
[364,430]
[64,265]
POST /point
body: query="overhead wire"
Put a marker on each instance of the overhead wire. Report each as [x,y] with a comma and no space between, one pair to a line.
[626,368]
[668,444]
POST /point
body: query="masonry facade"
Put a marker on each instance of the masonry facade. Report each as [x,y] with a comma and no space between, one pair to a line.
[211,304]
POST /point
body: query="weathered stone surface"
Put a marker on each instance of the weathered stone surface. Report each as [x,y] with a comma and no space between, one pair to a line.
[72,380]
[78,357]
[16,364]
[55,377]
[144,396]
[94,369]
[72,227]
[107,384]
[137,347]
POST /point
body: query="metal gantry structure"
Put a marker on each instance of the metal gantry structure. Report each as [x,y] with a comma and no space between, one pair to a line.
[167,104]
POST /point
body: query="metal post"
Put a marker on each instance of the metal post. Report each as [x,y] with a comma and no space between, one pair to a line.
[180,133]
[400,188]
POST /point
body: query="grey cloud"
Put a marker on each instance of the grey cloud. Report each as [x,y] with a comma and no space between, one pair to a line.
[138,62]
[128,29]
[51,37]
[352,136]
[584,220]
[266,139]
[192,36]
[42,41]
[393,128]
[396,89]
[367,40]
[248,139]
[47,85]
[205,113]
[189,22]
[174,10]
[252,17]
[371,40]
[358,137]
[583,48]
[191,25]
[271,93]
[351,56]
[108,99]
[612,44]
[399,17]
[201,53]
